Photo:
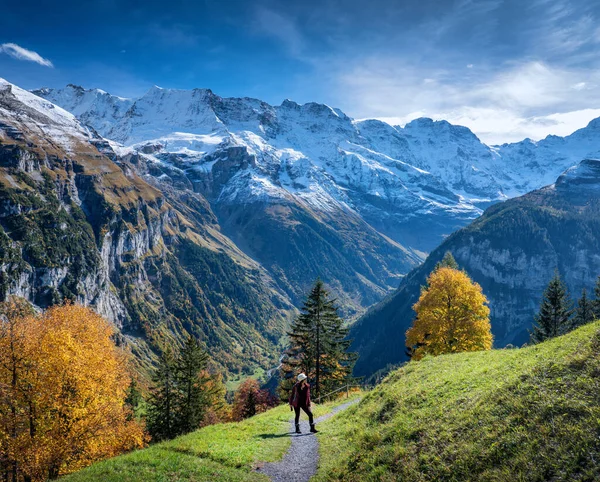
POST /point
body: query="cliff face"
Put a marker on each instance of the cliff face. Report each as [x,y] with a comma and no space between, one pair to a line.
[512,252]
[78,223]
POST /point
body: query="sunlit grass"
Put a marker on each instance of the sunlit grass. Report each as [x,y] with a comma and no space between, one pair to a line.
[225,452]
[530,414]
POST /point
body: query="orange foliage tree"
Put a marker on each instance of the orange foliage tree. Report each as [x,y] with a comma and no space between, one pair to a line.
[249,400]
[63,385]
[218,410]
[452,316]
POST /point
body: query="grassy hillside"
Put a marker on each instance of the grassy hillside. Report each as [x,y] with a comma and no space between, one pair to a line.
[218,453]
[529,414]
[512,251]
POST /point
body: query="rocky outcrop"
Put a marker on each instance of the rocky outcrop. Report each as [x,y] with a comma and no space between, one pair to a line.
[77,222]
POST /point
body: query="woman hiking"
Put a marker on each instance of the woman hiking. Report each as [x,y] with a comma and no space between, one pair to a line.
[300,399]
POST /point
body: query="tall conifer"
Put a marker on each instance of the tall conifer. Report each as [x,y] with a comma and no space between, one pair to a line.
[162,406]
[554,317]
[318,344]
[191,383]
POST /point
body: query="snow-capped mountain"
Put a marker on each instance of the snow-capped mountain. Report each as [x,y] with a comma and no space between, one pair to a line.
[391,176]
[374,187]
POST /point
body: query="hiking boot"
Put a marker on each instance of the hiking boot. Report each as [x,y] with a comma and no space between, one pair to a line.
[313,429]
[298,428]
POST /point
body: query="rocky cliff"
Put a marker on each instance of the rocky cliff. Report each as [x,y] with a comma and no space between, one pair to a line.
[78,223]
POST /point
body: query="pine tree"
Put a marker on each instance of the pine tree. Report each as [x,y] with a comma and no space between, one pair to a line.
[134,397]
[596,301]
[584,312]
[190,382]
[318,345]
[162,406]
[447,261]
[554,318]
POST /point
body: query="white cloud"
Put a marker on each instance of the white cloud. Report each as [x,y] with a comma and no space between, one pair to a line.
[20,53]
[530,99]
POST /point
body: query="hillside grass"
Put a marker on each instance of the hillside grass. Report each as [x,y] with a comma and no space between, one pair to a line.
[219,453]
[529,414]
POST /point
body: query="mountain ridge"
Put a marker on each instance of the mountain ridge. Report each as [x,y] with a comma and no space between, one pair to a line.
[512,251]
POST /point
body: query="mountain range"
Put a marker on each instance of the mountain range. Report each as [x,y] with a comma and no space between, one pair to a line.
[512,251]
[186,212]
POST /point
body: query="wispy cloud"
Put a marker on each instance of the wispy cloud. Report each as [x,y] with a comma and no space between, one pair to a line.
[20,53]
[282,28]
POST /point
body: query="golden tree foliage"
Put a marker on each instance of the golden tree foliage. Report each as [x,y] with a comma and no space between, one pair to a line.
[218,410]
[452,316]
[63,384]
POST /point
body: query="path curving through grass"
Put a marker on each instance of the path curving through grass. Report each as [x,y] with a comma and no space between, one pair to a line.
[300,462]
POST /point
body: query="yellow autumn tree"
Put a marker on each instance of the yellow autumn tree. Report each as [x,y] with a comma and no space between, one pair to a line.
[452,316]
[63,385]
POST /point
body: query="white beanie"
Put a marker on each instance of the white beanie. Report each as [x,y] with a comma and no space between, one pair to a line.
[301,377]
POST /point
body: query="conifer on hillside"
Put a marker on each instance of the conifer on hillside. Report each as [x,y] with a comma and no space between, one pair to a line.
[191,381]
[584,313]
[318,345]
[162,405]
[184,393]
[447,261]
[554,317]
[596,302]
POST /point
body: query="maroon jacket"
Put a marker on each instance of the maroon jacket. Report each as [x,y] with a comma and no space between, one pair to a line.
[300,395]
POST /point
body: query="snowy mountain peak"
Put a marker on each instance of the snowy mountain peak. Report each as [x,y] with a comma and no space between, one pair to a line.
[316,154]
[39,117]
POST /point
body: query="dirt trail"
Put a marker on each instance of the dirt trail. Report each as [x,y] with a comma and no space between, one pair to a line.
[300,462]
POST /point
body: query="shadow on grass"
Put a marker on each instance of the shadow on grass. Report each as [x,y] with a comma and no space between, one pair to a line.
[204,455]
[266,436]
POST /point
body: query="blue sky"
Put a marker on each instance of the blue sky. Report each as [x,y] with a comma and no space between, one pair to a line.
[507,69]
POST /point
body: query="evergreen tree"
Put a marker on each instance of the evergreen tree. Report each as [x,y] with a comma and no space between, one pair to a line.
[318,345]
[162,406]
[447,261]
[554,318]
[596,301]
[134,397]
[584,312]
[190,382]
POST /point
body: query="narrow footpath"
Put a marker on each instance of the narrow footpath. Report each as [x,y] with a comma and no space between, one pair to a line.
[300,462]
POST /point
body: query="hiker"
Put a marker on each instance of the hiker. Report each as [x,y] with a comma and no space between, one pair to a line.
[300,399]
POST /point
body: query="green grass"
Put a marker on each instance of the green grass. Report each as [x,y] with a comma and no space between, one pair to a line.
[234,382]
[529,414]
[219,453]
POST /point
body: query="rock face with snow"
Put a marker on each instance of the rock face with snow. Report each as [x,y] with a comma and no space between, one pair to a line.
[76,225]
[397,179]
[512,251]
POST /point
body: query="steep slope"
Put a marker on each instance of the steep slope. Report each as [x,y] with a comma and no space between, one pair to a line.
[76,225]
[512,251]
[502,415]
